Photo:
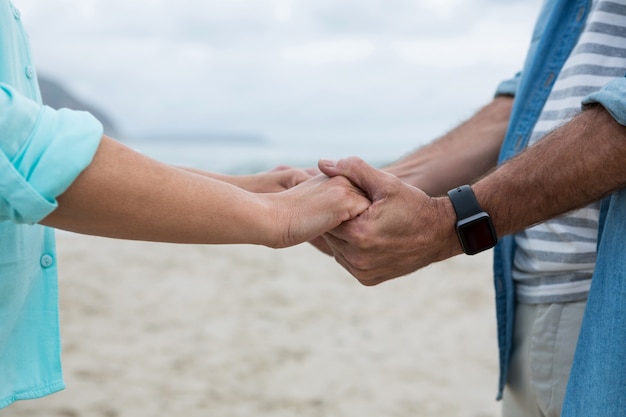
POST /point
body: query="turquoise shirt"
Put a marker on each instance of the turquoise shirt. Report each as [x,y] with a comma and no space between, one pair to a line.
[42,151]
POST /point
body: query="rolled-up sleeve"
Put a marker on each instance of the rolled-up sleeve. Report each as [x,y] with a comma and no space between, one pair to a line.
[509,87]
[612,96]
[42,151]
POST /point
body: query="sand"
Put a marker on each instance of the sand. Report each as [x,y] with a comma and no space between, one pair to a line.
[175,330]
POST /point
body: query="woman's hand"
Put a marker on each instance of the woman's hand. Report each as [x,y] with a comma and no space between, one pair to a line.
[312,208]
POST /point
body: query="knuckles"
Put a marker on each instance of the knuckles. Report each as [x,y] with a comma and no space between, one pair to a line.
[369,279]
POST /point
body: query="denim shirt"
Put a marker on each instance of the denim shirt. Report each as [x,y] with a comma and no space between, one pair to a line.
[556,32]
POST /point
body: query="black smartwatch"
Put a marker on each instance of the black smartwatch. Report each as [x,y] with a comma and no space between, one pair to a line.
[473,225]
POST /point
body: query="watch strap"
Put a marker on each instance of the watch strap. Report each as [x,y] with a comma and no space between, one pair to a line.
[464,202]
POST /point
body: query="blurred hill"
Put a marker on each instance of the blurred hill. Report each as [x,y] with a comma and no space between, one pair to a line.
[55,95]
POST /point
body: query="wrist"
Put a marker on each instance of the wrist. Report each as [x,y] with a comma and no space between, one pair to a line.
[268,217]
[450,244]
[474,227]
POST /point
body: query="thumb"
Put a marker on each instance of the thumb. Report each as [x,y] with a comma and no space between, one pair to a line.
[361,174]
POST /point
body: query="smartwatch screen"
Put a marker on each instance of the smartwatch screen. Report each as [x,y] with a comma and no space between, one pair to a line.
[477,234]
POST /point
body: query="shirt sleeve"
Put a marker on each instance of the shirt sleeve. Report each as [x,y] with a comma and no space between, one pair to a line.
[509,87]
[612,97]
[42,151]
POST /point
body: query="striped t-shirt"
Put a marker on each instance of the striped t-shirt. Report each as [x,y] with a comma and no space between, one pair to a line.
[554,261]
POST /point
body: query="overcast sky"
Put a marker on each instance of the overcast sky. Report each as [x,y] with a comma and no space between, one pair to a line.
[301,70]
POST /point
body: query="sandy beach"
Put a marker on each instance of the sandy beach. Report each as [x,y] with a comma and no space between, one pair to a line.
[242,331]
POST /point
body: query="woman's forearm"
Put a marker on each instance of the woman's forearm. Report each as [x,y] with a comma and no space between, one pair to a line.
[123,194]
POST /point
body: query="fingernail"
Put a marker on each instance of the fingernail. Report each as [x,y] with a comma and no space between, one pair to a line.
[328,163]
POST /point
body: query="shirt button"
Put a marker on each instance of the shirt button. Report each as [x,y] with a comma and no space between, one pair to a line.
[30,71]
[46,261]
[16,13]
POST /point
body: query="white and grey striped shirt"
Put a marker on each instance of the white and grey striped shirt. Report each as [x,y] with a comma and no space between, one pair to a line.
[555,260]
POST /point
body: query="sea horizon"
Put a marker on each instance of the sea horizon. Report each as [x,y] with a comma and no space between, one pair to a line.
[247,153]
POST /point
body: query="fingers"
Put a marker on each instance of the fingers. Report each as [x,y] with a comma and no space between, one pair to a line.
[363,175]
[280,168]
[300,176]
[348,197]
[312,171]
[353,168]
[316,206]
[320,244]
[283,178]
[366,274]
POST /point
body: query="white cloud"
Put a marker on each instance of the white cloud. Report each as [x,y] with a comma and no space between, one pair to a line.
[283,9]
[328,52]
[335,69]
[196,52]
[492,41]
[441,8]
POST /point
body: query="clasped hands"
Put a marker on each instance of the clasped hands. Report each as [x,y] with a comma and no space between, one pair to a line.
[401,231]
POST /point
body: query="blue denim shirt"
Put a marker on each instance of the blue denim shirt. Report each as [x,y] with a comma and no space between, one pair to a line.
[556,32]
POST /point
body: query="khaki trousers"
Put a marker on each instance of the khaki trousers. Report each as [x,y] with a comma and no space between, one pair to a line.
[544,342]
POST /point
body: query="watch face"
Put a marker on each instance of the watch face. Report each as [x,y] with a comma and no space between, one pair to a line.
[477,234]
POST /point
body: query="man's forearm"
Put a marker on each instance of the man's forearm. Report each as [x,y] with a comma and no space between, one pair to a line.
[573,166]
[404,229]
[461,156]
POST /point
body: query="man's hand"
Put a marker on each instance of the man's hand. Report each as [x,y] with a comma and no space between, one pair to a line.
[402,231]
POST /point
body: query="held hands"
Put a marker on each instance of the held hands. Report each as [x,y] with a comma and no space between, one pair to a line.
[376,226]
[313,207]
[401,231]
